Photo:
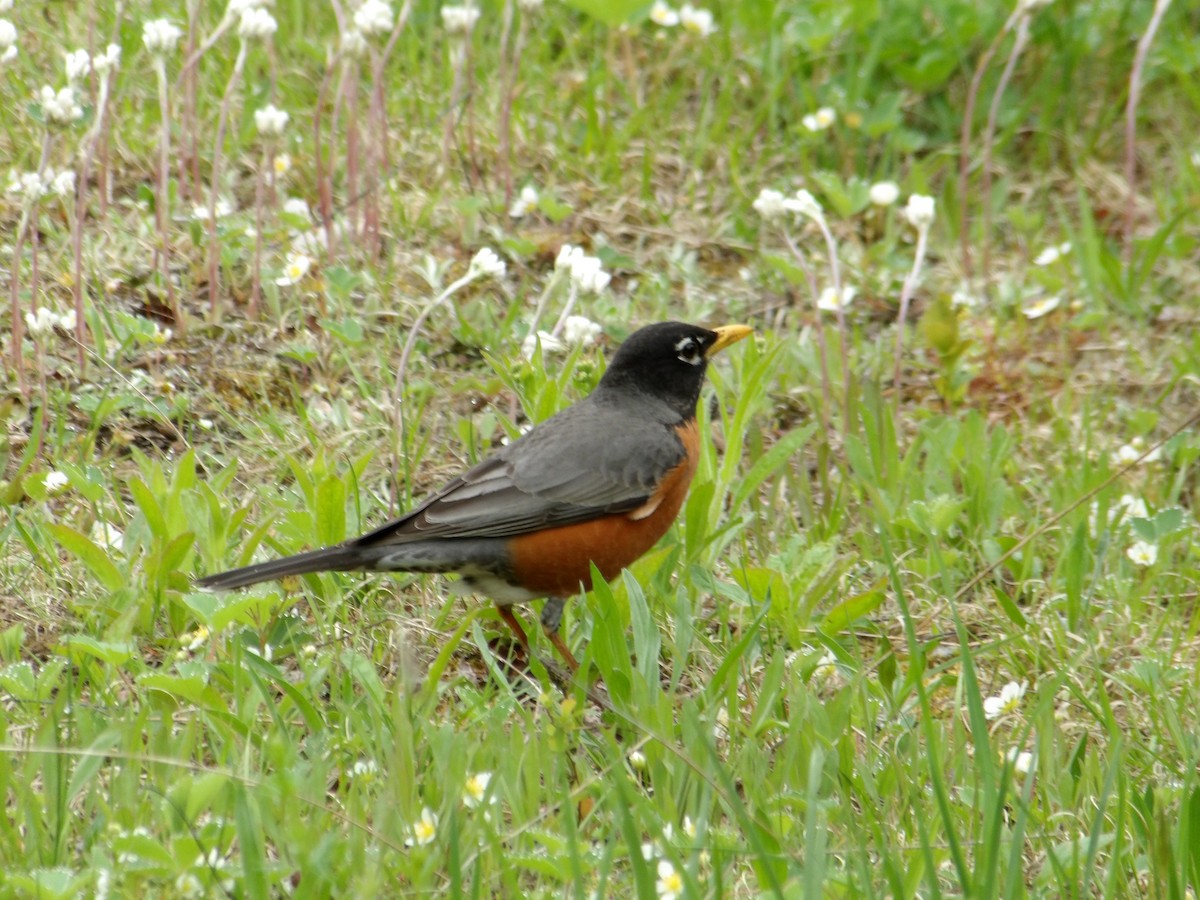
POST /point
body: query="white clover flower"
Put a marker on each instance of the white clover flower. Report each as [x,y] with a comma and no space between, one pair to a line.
[670,884]
[1008,701]
[697,21]
[1142,553]
[525,203]
[920,211]
[662,14]
[373,17]
[548,342]
[281,163]
[107,61]
[270,120]
[59,107]
[77,63]
[294,270]
[588,276]
[820,120]
[804,204]
[354,42]
[161,36]
[487,264]
[459,19]
[256,23]
[884,193]
[424,830]
[829,301]
[62,183]
[475,790]
[1020,760]
[1041,307]
[769,204]
[580,330]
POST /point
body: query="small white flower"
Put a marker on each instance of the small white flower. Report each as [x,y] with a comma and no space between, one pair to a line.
[525,203]
[256,23]
[294,206]
[67,320]
[662,14]
[373,17]
[475,790]
[160,36]
[354,42]
[270,120]
[108,60]
[1142,553]
[670,884]
[548,342]
[580,330]
[1041,307]
[223,208]
[63,182]
[29,185]
[107,536]
[188,885]
[77,63]
[1051,255]
[55,481]
[826,668]
[424,830]
[40,323]
[820,120]
[1020,760]
[697,21]
[237,7]
[1008,701]
[920,211]
[59,107]
[769,204]
[281,163]
[884,193]
[487,264]
[637,761]
[1130,507]
[829,301]
[294,271]
[588,276]
[567,255]
[530,5]
[364,769]
[8,35]
[459,19]
[8,54]
[964,298]
[804,204]
[1029,6]
[689,827]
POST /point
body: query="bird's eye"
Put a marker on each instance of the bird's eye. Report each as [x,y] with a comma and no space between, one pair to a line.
[689,351]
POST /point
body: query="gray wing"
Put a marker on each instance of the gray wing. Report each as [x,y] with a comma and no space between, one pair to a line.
[584,462]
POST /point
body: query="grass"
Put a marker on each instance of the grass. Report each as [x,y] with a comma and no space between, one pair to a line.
[800,673]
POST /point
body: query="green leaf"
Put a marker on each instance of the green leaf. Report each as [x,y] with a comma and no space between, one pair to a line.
[192,690]
[854,608]
[114,653]
[94,559]
[791,272]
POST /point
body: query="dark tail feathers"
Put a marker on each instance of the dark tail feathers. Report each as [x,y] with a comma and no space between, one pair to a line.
[331,559]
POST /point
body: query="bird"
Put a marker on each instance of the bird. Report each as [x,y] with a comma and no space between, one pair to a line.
[597,484]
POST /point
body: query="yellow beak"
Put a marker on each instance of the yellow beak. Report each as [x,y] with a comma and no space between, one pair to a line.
[726,335]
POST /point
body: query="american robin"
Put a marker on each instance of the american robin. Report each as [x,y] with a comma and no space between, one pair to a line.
[598,483]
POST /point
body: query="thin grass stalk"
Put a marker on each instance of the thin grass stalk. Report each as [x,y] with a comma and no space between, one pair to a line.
[989,133]
[964,148]
[235,76]
[835,273]
[162,202]
[1131,105]
[906,292]
[259,197]
[819,329]
[14,298]
[323,173]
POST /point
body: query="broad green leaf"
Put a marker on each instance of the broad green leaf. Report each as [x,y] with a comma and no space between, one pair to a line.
[95,559]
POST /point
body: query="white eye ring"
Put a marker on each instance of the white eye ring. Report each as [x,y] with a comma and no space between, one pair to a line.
[689,352]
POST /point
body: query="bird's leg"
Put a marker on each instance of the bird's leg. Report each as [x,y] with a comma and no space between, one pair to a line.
[515,624]
[551,619]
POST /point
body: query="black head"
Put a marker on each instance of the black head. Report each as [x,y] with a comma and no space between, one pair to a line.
[668,360]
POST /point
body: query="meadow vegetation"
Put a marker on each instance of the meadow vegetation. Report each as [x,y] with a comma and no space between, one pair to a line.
[927,624]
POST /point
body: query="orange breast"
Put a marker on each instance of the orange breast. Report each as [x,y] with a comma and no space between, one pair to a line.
[557,561]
